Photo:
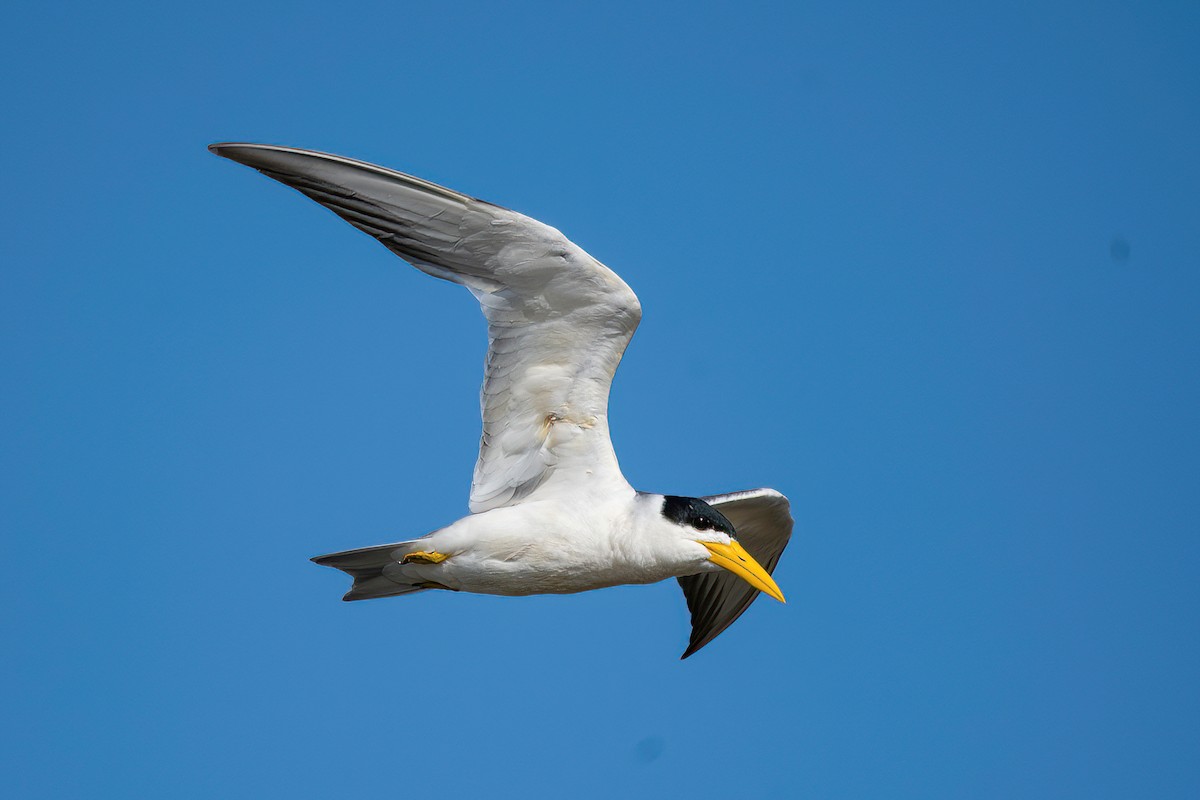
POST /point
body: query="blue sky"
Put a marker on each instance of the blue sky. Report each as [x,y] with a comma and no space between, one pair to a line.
[932,272]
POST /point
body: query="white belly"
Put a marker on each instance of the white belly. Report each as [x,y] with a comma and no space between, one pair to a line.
[543,572]
[543,549]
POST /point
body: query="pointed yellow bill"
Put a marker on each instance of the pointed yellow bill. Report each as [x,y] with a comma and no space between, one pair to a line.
[734,558]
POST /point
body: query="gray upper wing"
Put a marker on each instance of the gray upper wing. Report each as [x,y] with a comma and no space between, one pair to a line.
[763,521]
[558,320]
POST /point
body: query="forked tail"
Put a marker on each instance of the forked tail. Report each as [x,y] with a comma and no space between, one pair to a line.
[367,566]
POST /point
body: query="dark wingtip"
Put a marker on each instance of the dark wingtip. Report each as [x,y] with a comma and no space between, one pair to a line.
[241,152]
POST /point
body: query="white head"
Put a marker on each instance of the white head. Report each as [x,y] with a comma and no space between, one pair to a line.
[697,521]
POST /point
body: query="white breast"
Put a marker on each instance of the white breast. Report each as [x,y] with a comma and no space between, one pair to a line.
[557,547]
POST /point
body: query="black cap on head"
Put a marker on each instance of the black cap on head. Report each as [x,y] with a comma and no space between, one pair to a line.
[695,513]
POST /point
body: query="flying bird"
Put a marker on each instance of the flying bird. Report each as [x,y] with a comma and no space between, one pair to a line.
[550,510]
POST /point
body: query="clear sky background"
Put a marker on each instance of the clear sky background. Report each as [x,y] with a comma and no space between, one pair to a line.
[933,272]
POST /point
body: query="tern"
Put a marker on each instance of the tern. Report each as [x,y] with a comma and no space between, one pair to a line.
[550,510]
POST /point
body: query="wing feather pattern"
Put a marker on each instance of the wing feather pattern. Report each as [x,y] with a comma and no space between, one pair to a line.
[558,320]
[763,521]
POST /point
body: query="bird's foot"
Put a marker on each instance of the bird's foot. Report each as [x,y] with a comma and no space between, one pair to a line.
[434,585]
[421,557]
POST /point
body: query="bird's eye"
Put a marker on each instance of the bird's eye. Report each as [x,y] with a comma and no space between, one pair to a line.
[702,523]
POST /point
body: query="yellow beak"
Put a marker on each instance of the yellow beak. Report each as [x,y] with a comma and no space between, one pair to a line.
[734,558]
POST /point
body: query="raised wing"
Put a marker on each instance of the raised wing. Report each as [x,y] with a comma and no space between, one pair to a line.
[763,521]
[558,319]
